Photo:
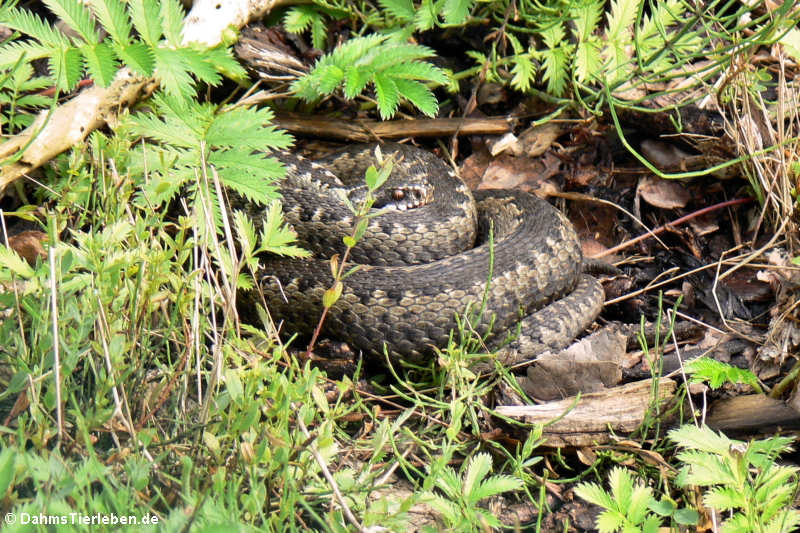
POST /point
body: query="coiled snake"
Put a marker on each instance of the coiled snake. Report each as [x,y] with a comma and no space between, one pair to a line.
[423,265]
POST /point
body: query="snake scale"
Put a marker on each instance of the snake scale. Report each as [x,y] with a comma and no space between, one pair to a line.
[426,258]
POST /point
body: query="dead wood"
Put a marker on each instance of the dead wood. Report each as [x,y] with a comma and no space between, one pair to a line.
[751,412]
[371,130]
[594,418]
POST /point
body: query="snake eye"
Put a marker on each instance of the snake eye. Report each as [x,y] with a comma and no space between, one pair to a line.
[398,194]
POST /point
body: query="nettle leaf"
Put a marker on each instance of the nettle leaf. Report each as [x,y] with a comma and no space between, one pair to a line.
[276,237]
[319,33]
[417,70]
[426,16]
[588,62]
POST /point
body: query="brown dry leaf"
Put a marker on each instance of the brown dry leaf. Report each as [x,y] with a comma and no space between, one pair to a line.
[589,365]
[535,141]
[28,244]
[474,167]
[509,172]
[665,194]
[665,156]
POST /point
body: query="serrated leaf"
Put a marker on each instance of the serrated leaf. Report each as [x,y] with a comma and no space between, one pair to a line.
[196,62]
[12,261]
[609,521]
[319,33]
[387,95]
[10,52]
[522,72]
[356,80]
[298,18]
[66,67]
[32,25]
[100,63]
[594,493]
[76,16]
[425,17]
[456,11]
[276,237]
[146,17]
[401,9]
[138,57]
[496,485]
[419,95]
[172,70]
[172,15]
[113,18]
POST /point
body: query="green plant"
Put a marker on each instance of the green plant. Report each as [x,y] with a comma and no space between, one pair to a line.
[173,63]
[631,507]
[462,494]
[740,478]
[191,135]
[394,69]
[716,373]
[20,93]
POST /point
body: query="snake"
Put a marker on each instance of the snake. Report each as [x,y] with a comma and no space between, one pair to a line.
[433,254]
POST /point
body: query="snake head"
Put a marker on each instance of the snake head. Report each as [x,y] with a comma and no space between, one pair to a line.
[395,197]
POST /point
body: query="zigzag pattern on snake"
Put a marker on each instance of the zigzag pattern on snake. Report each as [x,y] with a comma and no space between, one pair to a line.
[423,266]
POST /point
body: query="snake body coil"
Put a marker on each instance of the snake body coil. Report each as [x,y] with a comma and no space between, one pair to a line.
[424,266]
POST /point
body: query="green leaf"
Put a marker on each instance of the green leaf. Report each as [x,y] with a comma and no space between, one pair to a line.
[523,72]
[172,70]
[426,15]
[76,16]
[299,18]
[594,493]
[479,465]
[456,11]
[419,95]
[387,95]
[8,459]
[686,517]
[65,67]
[401,9]
[609,521]
[32,25]
[100,63]
[332,295]
[276,238]
[146,17]
[113,18]
[172,15]
[138,56]
[12,261]
[496,485]
[702,438]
